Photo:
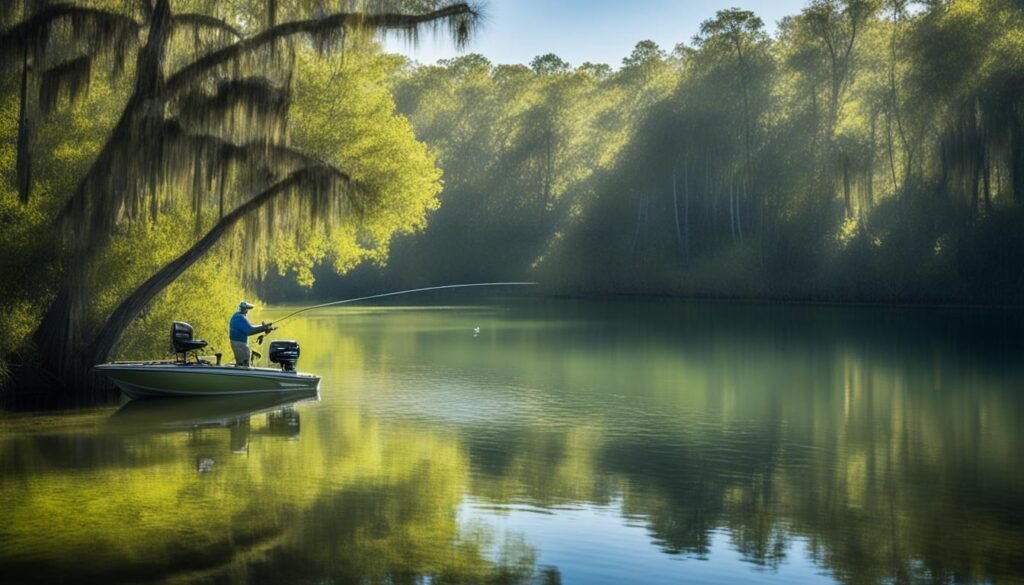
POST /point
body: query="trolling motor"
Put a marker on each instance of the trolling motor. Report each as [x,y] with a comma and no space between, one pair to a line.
[286,353]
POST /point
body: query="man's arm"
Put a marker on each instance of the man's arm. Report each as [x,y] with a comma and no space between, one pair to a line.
[251,329]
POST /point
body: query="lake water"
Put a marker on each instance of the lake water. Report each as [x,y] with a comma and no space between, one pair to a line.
[565,442]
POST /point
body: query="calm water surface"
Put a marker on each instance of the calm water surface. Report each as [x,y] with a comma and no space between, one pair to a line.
[566,442]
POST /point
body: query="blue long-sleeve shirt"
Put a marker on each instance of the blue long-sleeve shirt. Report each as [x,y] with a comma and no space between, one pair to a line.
[241,328]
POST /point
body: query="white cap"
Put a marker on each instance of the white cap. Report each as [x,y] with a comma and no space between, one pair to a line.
[244,306]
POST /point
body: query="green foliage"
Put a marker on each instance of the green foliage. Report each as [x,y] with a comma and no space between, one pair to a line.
[344,113]
[523,149]
[866,151]
[204,296]
[66,143]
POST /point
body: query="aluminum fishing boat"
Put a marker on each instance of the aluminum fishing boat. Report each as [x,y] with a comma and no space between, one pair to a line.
[201,377]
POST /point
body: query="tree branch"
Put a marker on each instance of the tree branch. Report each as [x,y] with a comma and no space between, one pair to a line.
[202,20]
[188,74]
[41,20]
[227,150]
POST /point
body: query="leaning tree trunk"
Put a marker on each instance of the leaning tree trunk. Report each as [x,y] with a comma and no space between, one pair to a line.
[57,336]
[110,333]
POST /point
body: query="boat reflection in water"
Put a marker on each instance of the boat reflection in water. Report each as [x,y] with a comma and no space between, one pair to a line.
[198,416]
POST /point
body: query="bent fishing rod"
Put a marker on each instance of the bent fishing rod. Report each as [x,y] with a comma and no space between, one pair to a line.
[402,292]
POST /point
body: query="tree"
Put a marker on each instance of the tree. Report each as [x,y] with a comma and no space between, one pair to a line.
[736,39]
[208,109]
[549,64]
[838,25]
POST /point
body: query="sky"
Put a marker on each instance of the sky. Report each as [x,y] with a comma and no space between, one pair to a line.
[600,31]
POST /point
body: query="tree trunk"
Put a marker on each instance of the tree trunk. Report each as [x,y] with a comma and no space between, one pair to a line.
[977,165]
[986,178]
[57,335]
[892,156]
[675,212]
[110,333]
[739,217]
[1017,160]
[711,201]
[56,338]
[23,165]
[732,207]
[870,203]
[895,113]
[686,208]
[846,186]
[636,231]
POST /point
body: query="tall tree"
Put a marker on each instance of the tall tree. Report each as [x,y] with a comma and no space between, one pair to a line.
[740,35]
[736,40]
[208,109]
[838,25]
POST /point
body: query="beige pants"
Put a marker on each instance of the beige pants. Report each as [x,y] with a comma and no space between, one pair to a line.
[242,352]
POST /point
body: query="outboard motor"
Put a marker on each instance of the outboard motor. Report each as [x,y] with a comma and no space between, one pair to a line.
[286,353]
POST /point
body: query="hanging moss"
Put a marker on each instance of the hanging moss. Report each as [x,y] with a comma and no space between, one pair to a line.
[69,80]
[88,30]
[247,109]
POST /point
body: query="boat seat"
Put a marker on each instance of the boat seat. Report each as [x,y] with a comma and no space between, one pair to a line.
[190,345]
[182,340]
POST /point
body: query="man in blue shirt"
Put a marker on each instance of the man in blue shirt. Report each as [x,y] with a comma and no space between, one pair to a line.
[240,330]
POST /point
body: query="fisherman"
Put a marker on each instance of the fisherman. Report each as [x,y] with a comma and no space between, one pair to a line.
[240,330]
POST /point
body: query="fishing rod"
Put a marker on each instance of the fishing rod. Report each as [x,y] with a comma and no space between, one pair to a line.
[402,292]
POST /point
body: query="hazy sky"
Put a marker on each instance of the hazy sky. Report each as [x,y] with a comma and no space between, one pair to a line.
[602,31]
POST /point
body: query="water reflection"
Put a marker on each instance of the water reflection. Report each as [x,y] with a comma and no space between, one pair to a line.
[881,444]
[281,415]
[585,443]
[199,416]
[220,489]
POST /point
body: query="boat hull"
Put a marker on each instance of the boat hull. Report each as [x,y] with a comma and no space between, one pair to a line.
[152,380]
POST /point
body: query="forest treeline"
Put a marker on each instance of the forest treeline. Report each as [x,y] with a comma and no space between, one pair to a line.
[864,151]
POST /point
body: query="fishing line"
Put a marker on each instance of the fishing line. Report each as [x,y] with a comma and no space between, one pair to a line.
[403,292]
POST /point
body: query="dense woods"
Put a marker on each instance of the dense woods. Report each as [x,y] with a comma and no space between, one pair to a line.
[864,151]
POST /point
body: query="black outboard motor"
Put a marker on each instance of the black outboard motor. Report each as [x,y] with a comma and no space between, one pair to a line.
[286,353]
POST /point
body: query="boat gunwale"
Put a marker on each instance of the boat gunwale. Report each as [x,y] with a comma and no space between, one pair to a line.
[193,368]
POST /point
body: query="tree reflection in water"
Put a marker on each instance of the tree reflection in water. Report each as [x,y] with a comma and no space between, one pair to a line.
[885,446]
